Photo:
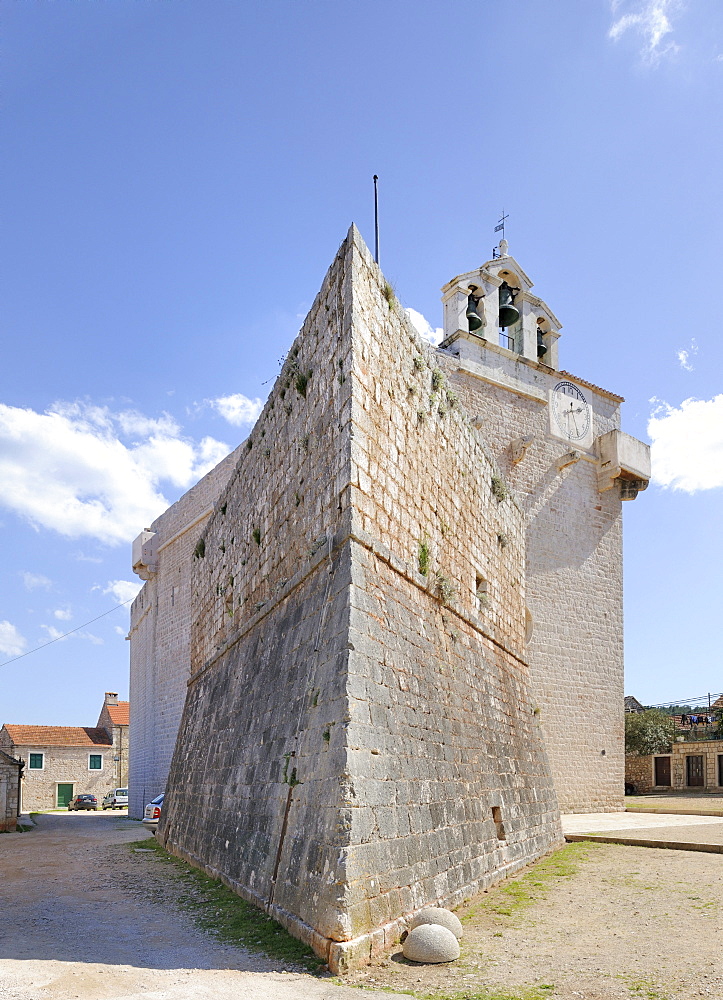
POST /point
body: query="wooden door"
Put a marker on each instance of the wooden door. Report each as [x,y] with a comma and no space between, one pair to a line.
[65,794]
[694,768]
[662,771]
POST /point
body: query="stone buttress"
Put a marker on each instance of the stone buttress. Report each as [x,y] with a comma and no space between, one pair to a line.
[359,739]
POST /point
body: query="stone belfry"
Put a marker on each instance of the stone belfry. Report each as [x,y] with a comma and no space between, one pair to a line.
[557,440]
[361,735]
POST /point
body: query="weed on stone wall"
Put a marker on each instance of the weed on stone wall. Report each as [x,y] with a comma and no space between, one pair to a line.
[216,909]
[423,557]
[499,489]
[444,588]
[200,550]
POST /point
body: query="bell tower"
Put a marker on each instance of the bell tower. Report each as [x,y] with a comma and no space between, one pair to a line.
[495,305]
[565,460]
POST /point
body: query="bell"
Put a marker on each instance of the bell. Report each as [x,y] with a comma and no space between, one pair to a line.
[541,345]
[509,313]
[473,317]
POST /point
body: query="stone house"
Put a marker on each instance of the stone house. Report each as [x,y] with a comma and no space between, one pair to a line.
[64,761]
[396,613]
[692,766]
[10,777]
[115,719]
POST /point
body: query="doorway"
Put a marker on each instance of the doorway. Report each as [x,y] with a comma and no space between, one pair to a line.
[662,771]
[65,795]
[694,770]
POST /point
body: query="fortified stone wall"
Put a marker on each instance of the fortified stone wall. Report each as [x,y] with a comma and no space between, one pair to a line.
[573,566]
[160,639]
[359,736]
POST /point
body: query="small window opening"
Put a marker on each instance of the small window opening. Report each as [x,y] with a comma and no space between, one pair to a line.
[481,592]
[497,820]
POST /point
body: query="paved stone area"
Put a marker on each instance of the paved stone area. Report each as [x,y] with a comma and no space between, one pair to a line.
[681,832]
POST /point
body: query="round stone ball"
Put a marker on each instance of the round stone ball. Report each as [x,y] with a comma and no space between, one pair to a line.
[430,943]
[438,915]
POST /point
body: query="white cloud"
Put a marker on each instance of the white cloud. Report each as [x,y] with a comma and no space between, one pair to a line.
[82,470]
[36,581]
[684,356]
[63,614]
[687,444]
[424,328]
[123,590]
[120,631]
[237,408]
[651,19]
[55,633]
[12,643]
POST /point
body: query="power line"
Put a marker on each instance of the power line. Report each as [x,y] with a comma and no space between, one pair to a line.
[66,634]
[698,700]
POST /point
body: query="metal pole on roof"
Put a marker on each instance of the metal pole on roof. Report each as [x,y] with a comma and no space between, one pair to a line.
[376,220]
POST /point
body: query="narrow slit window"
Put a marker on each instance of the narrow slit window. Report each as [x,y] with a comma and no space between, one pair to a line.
[499,825]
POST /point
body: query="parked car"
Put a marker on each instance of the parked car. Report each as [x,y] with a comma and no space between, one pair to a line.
[152,812]
[83,802]
[116,799]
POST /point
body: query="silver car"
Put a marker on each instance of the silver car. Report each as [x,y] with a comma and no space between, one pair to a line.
[117,798]
[152,812]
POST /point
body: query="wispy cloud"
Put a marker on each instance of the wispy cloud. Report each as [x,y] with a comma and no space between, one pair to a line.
[652,21]
[424,328]
[36,581]
[63,614]
[687,444]
[122,590]
[12,643]
[238,409]
[685,356]
[57,634]
[83,470]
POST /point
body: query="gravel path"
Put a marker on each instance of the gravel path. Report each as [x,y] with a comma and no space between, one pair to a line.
[85,917]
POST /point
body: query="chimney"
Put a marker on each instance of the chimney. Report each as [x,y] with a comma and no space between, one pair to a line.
[111,698]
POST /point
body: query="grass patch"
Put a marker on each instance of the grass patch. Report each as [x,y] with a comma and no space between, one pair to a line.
[215,908]
[542,992]
[643,988]
[511,898]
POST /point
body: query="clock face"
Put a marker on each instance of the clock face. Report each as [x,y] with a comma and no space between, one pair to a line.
[571,412]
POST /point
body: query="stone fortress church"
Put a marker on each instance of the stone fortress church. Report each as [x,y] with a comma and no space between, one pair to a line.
[379,647]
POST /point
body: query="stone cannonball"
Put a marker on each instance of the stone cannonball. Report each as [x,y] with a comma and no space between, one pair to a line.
[430,943]
[437,915]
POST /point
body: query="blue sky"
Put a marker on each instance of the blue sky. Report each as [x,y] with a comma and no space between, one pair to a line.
[178,176]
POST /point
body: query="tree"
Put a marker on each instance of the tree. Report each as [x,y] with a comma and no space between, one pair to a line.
[649,732]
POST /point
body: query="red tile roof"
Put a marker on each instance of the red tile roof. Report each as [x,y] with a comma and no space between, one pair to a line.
[57,736]
[120,713]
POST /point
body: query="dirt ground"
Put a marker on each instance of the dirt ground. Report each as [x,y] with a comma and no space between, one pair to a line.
[85,917]
[632,922]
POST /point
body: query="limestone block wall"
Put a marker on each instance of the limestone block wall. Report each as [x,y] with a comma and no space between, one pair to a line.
[268,642]
[640,771]
[359,733]
[573,567]
[160,640]
[711,751]
[9,771]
